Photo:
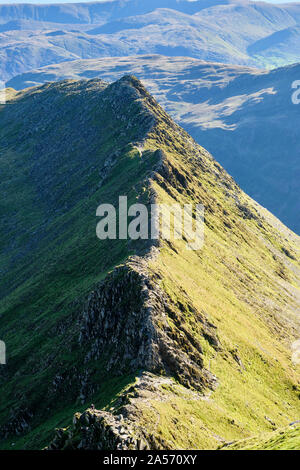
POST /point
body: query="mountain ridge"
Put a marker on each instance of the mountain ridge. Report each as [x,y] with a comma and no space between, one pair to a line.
[244,116]
[225,315]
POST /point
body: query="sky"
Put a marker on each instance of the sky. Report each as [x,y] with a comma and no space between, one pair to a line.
[88,1]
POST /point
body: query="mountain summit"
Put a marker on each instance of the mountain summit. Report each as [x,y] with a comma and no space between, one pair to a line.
[175,348]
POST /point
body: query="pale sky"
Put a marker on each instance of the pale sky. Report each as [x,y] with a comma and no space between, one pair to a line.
[89,1]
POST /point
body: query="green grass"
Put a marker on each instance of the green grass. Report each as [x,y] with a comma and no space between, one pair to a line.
[282,439]
[43,433]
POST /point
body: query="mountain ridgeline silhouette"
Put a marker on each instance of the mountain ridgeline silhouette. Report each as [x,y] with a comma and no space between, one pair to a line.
[245,117]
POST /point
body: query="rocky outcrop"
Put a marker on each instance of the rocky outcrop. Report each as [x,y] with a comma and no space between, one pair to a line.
[120,427]
[17,424]
[125,322]
[98,430]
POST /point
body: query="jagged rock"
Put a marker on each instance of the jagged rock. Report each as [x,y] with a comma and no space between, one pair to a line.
[18,423]
[109,430]
[125,322]
[98,430]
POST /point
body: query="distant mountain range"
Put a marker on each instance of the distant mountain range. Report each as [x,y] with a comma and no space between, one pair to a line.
[244,116]
[228,31]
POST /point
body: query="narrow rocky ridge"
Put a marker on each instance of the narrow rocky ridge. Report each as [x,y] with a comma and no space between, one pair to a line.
[117,429]
[125,318]
[124,323]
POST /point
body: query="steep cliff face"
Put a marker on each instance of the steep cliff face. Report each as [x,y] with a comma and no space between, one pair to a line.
[176,348]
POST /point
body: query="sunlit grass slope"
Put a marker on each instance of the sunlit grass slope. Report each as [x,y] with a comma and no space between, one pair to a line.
[283,439]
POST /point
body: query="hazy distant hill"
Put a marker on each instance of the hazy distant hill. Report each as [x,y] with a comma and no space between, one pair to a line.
[229,31]
[281,439]
[245,117]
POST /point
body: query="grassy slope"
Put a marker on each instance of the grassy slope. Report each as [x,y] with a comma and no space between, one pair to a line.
[283,439]
[241,281]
